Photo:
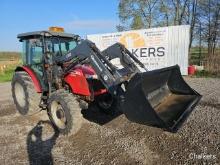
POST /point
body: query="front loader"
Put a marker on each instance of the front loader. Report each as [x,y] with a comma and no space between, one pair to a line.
[61,72]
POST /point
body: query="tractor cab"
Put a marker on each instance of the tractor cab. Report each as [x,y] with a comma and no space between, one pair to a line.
[40,48]
[45,45]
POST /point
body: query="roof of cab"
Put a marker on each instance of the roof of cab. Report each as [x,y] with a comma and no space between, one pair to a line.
[44,33]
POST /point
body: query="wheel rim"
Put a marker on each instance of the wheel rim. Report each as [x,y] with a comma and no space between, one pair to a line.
[19,94]
[58,115]
[106,102]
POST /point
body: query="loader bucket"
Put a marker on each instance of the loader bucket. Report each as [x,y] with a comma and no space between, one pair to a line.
[159,98]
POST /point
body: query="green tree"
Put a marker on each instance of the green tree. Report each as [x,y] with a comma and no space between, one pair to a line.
[140,13]
[137,22]
[137,14]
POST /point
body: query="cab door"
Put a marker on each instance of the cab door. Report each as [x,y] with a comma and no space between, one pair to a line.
[32,56]
[35,56]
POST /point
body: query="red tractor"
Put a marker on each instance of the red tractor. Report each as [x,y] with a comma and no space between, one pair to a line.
[62,72]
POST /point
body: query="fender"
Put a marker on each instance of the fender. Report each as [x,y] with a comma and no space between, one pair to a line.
[86,69]
[78,83]
[33,76]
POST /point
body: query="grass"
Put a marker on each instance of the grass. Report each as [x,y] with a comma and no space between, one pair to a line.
[206,74]
[11,60]
[7,74]
[8,56]
[194,55]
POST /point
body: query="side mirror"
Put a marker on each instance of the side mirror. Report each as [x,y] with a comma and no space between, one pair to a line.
[77,38]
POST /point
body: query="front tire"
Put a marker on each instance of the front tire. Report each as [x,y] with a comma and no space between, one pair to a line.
[64,112]
[25,97]
[107,103]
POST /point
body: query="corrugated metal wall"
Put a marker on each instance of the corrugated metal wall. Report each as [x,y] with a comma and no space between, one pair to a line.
[178,47]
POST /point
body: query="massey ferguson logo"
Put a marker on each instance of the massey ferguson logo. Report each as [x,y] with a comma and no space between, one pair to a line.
[136,44]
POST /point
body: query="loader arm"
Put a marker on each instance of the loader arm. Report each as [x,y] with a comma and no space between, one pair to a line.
[107,73]
[159,98]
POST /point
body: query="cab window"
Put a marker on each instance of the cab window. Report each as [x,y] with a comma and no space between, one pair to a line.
[60,46]
[35,52]
[36,55]
[32,52]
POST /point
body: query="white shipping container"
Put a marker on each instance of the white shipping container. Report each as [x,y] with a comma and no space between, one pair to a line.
[156,47]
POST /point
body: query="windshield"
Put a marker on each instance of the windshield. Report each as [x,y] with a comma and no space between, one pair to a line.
[60,46]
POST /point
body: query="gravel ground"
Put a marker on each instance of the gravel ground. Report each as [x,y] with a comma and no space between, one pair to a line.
[114,140]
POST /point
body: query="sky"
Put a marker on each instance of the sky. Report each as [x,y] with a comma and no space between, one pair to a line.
[80,17]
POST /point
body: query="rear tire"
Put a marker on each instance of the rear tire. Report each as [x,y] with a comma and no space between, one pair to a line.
[25,97]
[64,112]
